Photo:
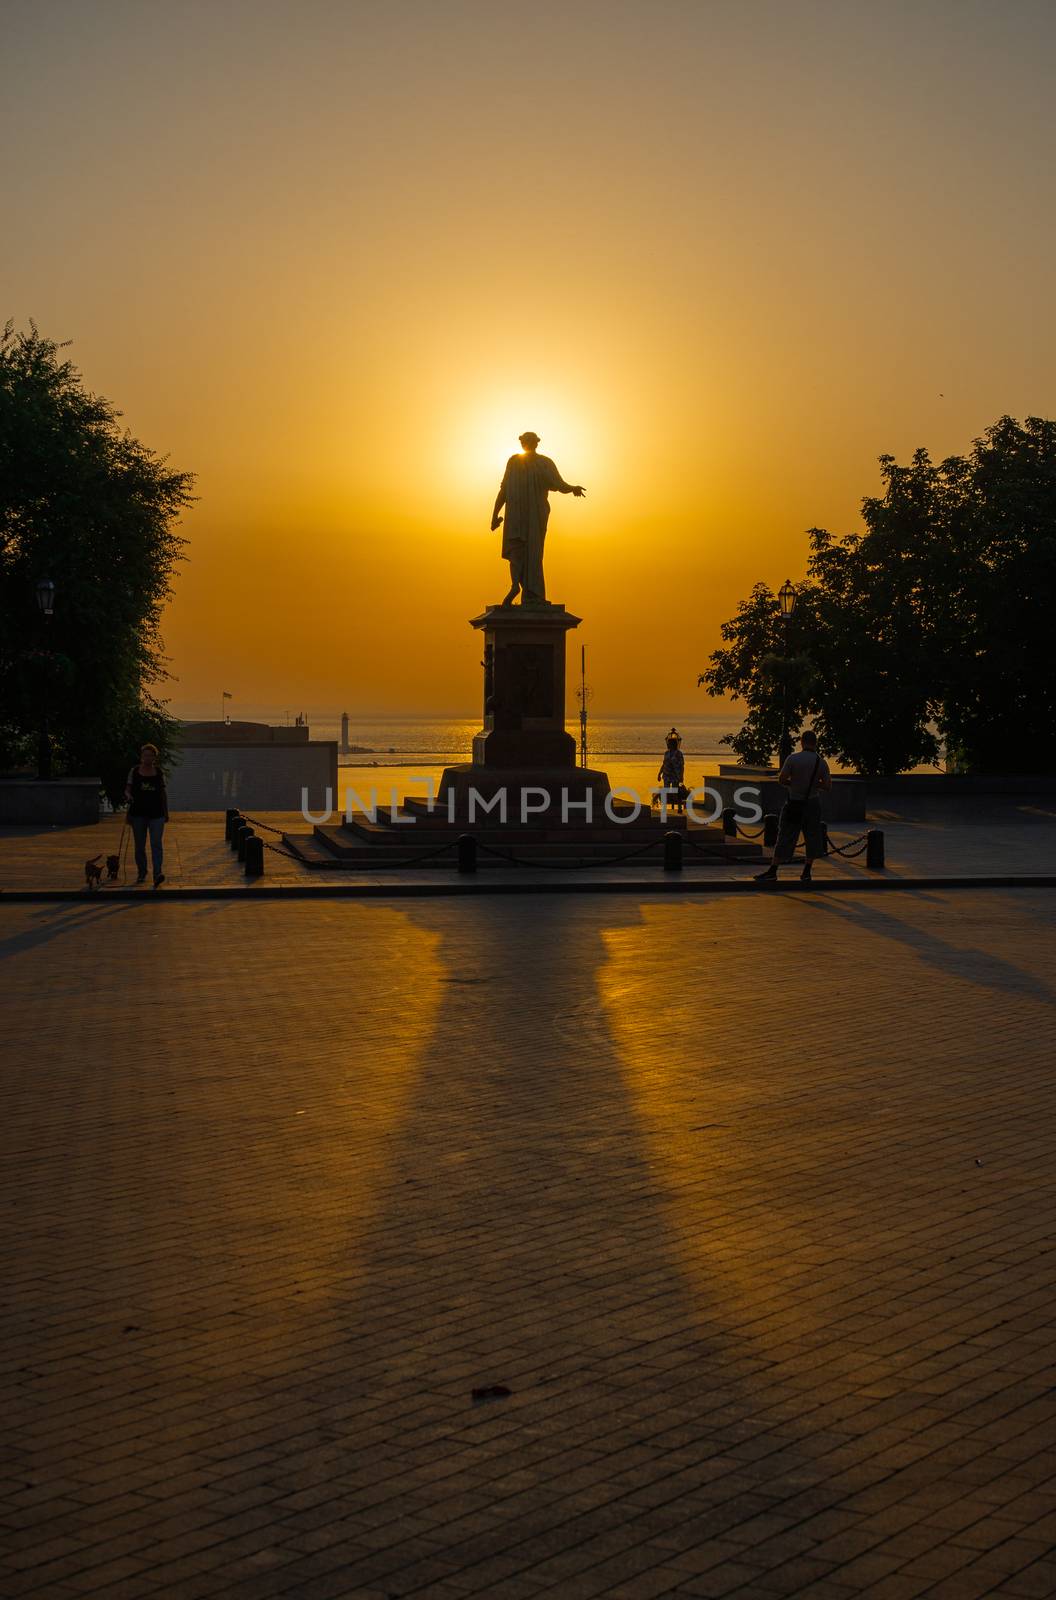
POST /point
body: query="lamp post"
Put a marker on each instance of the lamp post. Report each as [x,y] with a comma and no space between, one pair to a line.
[46,602]
[786,597]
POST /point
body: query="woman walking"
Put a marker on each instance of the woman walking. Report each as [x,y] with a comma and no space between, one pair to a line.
[148,811]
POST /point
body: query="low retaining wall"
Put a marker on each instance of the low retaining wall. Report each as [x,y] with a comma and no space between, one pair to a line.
[844,802]
[256,777]
[946,785]
[58,802]
[851,795]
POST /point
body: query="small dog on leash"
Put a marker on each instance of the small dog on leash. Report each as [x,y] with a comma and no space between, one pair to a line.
[93,872]
[113,867]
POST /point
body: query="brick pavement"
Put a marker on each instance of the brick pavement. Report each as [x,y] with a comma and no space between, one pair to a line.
[748,1203]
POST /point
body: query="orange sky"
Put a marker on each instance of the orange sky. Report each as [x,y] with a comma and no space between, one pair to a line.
[334,257]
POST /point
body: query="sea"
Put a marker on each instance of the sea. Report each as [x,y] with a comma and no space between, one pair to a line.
[412,740]
[405,753]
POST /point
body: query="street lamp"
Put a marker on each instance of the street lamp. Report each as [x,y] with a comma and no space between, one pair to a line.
[786,598]
[46,602]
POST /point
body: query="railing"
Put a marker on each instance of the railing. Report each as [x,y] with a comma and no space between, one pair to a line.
[870,843]
[240,832]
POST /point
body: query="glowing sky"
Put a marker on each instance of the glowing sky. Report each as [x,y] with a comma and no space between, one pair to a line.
[334,257]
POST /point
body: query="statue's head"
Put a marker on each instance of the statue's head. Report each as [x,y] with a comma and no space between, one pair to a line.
[529,440]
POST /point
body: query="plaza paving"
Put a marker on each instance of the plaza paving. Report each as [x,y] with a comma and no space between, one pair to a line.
[748,1202]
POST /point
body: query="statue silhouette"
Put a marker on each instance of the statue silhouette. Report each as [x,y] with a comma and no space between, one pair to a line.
[524,492]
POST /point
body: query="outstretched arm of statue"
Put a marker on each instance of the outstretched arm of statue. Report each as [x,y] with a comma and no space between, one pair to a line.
[500,501]
[567,488]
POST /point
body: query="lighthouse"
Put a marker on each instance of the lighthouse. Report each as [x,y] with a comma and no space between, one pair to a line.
[344,733]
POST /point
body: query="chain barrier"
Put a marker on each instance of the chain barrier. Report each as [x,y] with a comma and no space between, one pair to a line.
[258,824]
[847,850]
[688,839]
[279,851]
[452,846]
[408,861]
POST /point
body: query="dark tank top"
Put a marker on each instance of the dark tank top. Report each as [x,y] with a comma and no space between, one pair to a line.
[148,794]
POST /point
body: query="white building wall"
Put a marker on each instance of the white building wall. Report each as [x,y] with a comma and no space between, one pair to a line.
[262,777]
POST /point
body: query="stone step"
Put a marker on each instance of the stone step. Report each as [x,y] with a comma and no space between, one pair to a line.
[435,826]
[337,847]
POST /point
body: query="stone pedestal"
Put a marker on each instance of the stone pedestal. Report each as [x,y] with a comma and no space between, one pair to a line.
[524,687]
[523,743]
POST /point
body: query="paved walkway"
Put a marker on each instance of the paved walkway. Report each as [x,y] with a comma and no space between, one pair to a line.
[747,1202]
[922,838]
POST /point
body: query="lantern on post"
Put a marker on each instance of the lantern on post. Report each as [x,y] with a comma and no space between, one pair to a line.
[46,603]
[786,599]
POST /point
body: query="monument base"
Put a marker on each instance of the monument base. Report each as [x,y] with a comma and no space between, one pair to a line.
[524,690]
[519,749]
[543,795]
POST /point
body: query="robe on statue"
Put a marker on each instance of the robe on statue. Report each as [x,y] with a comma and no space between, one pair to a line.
[526,484]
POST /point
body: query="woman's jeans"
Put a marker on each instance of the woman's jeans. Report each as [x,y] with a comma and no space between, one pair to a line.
[140,827]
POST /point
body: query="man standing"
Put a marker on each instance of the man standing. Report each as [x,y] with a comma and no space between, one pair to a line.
[803,774]
[526,483]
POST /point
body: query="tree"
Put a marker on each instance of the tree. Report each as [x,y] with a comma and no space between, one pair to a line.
[872,704]
[763,667]
[976,535]
[933,621]
[842,660]
[85,504]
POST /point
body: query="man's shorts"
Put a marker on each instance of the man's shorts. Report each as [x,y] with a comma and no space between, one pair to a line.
[788,832]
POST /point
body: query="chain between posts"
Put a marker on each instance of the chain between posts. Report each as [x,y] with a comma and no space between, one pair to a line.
[688,839]
[258,824]
[277,849]
[452,847]
[501,855]
[849,851]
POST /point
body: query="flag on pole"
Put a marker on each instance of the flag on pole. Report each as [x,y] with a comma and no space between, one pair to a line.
[227,694]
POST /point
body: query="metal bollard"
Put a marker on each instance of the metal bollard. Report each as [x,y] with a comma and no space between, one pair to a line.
[237,821]
[229,816]
[467,853]
[874,849]
[824,838]
[770,830]
[729,822]
[672,851]
[254,856]
[245,833]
